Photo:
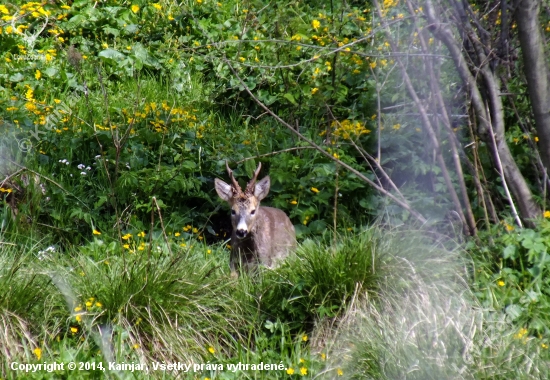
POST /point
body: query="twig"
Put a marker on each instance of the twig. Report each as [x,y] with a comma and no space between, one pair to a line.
[162,226]
[44,177]
[273,153]
[361,176]
[501,173]
[12,175]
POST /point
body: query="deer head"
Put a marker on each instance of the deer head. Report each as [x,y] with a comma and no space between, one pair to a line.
[244,205]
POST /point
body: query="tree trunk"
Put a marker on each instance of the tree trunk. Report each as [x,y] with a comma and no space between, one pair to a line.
[488,107]
[536,71]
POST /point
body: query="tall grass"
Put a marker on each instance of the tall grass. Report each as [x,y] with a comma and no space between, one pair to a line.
[379,304]
[425,323]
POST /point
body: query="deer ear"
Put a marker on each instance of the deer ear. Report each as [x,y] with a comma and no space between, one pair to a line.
[223,189]
[261,189]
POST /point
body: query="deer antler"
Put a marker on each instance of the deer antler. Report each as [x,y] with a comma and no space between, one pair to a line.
[236,187]
[252,182]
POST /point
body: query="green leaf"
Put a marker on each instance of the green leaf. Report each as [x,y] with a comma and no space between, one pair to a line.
[17,77]
[249,167]
[113,31]
[51,72]
[288,96]
[509,252]
[514,311]
[111,55]
[317,226]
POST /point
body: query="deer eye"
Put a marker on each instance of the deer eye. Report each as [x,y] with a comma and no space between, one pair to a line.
[233,212]
[252,212]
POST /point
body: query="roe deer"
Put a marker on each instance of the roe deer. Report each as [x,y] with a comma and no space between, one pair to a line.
[261,235]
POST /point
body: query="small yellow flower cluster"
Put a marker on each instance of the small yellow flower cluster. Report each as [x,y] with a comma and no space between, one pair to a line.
[193,230]
[35,9]
[320,40]
[5,190]
[348,128]
[522,333]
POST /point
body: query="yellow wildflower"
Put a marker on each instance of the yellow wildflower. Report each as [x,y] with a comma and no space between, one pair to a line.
[547,214]
[211,350]
[500,283]
[157,6]
[96,232]
[304,338]
[303,371]
[74,330]
[141,234]
[294,202]
[315,24]
[290,371]
[314,90]
[509,227]
[340,372]
[315,190]
[521,333]
[135,8]
[37,352]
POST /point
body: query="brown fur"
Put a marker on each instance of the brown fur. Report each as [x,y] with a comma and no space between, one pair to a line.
[267,235]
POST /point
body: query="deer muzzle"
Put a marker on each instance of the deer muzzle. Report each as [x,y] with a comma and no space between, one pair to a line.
[241,234]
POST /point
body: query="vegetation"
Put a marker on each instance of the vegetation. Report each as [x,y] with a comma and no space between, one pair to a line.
[407,141]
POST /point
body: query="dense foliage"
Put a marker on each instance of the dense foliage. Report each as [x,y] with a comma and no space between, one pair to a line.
[116,117]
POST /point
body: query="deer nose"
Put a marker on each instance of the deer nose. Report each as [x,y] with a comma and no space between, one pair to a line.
[241,233]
